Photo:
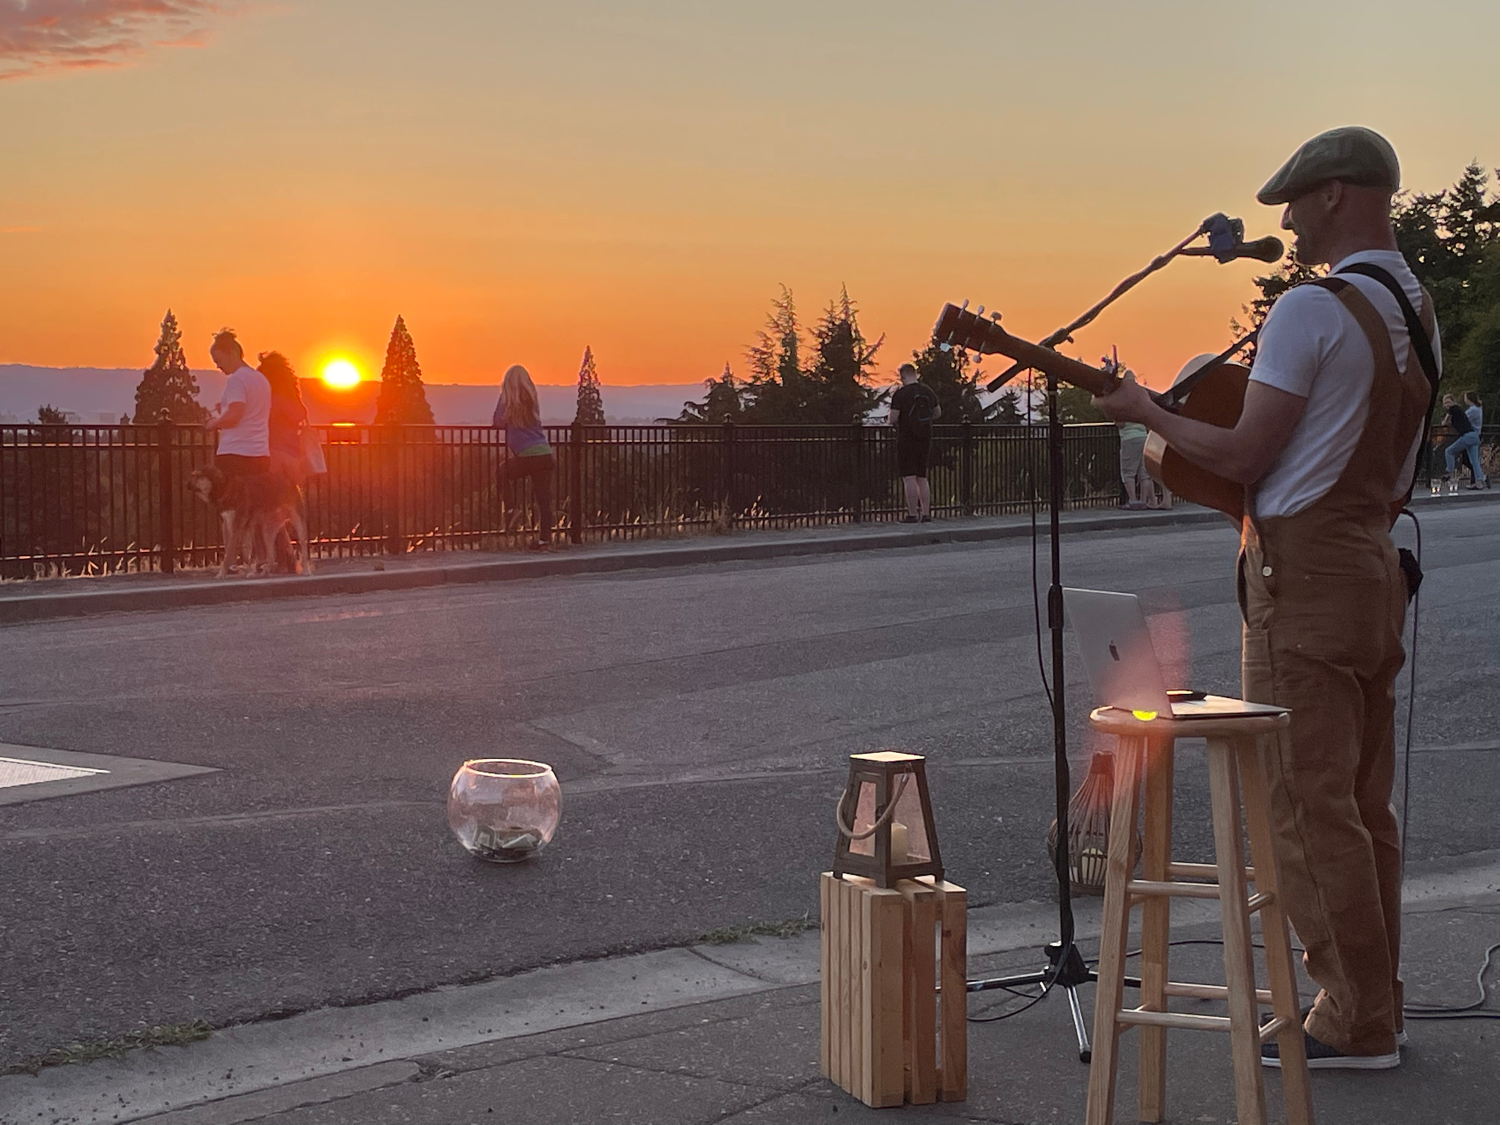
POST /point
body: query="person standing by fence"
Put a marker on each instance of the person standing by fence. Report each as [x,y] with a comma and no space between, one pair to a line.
[528,454]
[1467,441]
[243,416]
[915,409]
[1473,415]
[288,416]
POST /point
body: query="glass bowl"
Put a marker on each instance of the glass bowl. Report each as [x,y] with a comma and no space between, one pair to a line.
[504,810]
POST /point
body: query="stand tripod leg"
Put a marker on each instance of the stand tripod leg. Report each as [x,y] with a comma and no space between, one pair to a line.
[1080,1034]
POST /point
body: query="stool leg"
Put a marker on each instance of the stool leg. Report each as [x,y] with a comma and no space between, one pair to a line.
[1241,1000]
[1296,1093]
[1115,914]
[1157,842]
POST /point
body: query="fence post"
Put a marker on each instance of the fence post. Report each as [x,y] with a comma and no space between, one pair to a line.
[857,497]
[727,473]
[166,439]
[576,488]
[967,468]
[396,543]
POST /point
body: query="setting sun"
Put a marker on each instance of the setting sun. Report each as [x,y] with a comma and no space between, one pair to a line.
[341,374]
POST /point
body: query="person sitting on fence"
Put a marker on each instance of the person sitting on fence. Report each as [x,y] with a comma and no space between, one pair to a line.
[527,451]
[243,416]
[915,409]
[1467,441]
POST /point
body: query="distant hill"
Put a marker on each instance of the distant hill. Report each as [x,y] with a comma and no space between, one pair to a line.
[102,394]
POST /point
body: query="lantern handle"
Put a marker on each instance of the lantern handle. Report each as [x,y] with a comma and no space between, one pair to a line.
[852,834]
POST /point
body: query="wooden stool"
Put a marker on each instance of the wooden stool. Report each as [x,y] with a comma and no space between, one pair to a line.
[1145,749]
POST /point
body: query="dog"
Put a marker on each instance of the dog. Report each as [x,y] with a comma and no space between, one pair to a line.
[254,510]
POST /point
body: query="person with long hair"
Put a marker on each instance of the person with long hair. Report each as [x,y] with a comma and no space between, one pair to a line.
[288,416]
[528,453]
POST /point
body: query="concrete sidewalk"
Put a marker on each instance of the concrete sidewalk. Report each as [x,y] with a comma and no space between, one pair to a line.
[67,597]
[730,1034]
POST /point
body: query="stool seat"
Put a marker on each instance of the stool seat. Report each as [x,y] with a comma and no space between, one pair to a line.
[1144,759]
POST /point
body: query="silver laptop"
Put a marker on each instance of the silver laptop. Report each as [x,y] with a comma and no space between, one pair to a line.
[1123,668]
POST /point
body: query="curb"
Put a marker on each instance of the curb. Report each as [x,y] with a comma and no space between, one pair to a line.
[249,1070]
[38,607]
[23,608]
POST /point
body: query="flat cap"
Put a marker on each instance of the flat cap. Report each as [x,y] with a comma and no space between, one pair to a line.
[1350,153]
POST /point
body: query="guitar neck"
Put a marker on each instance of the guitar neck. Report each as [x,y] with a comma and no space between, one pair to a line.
[964,329]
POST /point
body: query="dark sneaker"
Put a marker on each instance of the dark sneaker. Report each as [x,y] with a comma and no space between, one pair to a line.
[909,519]
[1322,1056]
[1304,1016]
[926,519]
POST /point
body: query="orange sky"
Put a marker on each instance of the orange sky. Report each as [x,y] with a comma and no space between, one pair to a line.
[519,180]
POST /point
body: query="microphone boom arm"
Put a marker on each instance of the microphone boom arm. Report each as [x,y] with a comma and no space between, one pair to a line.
[1063,334]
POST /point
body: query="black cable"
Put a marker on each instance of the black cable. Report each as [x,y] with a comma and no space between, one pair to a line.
[1473,1010]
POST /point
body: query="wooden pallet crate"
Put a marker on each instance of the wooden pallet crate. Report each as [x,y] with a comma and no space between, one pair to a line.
[892,989]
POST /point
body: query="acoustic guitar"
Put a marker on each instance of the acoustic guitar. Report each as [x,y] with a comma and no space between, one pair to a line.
[1211,392]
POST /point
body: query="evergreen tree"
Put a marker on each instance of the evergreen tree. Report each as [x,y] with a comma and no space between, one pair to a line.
[590,410]
[724,401]
[948,375]
[51,416]
[840,378]
[401,400]
[167,385]
[834,389]
[1008,408]
[776,391]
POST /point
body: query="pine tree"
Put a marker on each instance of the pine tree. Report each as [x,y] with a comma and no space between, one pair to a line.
[1008,408]
[401,400]
[840,379]
[724,401]
[50,415]
[957,388]
[776,392]
[590,408]
[168,385]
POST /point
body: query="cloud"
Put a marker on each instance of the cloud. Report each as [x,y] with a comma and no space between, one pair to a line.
[43,35]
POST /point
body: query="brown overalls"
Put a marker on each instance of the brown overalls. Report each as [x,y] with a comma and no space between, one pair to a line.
[1323,602]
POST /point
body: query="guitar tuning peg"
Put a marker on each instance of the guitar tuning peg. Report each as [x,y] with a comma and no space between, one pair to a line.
[964,307]
[944,347]
[980,310]
[996,318]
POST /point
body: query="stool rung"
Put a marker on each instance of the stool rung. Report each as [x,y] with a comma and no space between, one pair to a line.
[1153,887]
[1181,1020]
[1270,1029]
[1201,871]
[1258,901]
[1209,991]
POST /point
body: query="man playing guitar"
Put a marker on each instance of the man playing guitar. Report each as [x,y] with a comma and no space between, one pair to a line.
[1325,446]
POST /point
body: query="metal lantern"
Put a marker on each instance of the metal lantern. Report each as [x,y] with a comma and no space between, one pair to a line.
[885,820]
[1090,828]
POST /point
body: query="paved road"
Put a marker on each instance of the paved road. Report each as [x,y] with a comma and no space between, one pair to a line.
[700,719]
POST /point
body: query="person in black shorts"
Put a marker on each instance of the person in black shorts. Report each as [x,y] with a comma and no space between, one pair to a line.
[915,409]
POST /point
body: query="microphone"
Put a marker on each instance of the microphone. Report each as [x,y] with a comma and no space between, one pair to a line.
[1268,249]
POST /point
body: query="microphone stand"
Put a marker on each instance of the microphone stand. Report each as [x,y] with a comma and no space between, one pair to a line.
[1066,967]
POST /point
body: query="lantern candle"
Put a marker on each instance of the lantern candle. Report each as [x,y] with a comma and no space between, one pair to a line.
[899,842]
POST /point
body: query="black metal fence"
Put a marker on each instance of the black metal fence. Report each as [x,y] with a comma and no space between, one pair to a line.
[100,499]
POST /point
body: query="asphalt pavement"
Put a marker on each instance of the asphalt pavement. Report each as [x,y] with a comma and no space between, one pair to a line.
[699,716]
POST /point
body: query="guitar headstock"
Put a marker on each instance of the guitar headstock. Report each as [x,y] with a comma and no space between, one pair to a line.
[958,327]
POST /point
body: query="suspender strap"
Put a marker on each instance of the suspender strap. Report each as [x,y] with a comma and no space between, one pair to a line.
[1423,348]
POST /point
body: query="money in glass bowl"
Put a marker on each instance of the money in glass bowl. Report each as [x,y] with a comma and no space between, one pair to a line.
[504,810]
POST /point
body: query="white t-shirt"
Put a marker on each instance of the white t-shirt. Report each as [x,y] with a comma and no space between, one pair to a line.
[252,436]
[1312,347]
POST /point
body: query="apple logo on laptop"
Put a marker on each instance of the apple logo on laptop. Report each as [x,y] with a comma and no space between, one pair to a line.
[1114,654]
